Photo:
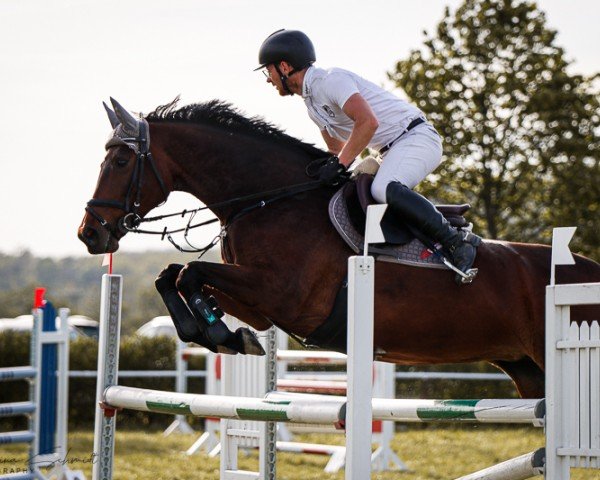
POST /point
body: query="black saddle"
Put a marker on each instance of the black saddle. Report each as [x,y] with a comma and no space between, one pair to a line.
[357,195]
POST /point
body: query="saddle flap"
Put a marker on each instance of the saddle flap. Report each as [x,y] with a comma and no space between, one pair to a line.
[452,213]
[363,189]
[345,212]
[357,196]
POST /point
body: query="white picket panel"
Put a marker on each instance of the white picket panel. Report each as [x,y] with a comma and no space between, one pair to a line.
[572,382]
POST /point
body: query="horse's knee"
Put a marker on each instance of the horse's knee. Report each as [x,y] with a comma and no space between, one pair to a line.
[167,277]
[189,279]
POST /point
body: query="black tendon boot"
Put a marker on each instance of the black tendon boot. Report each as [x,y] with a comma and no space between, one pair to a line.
[188,328]
[216,330]
[421,214]
[207,311]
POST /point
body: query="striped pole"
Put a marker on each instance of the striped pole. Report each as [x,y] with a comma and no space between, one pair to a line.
[519,468]
[323,409]
[512,411]
[16,408]
[477,411]
[21,476]
[16,373]
[23,436]
[217,406]
[294,357]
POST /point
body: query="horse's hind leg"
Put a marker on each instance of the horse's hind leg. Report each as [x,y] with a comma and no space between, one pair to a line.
[527,376]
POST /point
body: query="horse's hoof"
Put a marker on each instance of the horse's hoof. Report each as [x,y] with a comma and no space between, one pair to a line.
[251,345]
[167,277]
[226,351]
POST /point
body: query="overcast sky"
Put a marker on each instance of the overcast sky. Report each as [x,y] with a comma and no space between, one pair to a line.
[59,59]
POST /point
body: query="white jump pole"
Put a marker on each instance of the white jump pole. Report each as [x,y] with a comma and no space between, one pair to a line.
[361,306]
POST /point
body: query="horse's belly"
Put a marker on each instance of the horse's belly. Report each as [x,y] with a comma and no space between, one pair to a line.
[436,331]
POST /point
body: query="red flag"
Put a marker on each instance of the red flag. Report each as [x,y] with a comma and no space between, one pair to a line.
[38,297]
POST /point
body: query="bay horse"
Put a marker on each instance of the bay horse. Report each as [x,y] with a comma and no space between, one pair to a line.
[284,263]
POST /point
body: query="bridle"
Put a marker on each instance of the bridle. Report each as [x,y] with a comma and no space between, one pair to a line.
[140,144]
[130,222]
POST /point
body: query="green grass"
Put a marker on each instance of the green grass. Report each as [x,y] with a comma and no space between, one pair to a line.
[431,454]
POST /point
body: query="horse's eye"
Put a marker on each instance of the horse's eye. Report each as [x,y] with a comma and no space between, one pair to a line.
[122,161]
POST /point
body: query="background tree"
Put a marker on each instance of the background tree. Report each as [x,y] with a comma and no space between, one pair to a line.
[74,282]
[520,132]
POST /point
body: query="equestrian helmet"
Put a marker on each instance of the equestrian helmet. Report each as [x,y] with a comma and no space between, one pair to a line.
[291,46]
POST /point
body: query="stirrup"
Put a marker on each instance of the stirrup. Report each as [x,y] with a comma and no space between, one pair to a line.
[465,277]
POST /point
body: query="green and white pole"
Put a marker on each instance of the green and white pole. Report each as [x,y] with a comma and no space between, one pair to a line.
[510,411]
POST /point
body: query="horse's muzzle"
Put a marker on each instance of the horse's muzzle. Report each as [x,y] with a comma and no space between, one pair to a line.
[97,241]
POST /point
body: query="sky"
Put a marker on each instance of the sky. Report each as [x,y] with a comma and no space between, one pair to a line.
[59,59]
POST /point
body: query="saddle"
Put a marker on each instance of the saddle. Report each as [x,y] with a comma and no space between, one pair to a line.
[347,211]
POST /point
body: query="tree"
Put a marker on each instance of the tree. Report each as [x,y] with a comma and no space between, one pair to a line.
[520,133]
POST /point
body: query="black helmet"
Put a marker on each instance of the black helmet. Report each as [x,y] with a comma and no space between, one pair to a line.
[292,46]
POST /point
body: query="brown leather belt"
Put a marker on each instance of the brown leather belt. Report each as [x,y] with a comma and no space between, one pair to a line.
[411,125]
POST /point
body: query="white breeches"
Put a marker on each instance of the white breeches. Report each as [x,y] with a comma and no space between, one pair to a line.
[414,156]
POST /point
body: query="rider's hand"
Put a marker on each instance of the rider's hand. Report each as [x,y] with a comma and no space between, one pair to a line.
[332,171]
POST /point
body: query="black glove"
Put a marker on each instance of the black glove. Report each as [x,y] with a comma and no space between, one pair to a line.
[332,171]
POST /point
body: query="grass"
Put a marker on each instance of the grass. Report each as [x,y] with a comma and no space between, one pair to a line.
[431,454]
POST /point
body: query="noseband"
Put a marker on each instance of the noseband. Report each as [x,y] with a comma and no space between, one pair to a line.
[140,144]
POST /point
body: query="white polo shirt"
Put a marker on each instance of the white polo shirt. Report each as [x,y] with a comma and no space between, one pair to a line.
[326,91]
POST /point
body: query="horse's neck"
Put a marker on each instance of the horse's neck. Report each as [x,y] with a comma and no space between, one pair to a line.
[215,165]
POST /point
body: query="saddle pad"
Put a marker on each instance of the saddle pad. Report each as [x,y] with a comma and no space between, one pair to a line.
[413,253]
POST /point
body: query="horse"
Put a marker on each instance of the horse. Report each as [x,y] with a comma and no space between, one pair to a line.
[284,263]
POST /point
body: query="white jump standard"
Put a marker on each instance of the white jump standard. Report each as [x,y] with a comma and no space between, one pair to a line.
[47,406]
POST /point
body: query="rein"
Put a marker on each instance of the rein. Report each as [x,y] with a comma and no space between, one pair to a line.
[277,194]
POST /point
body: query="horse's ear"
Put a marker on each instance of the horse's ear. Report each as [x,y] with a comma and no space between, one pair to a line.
[130,123]
[114,121]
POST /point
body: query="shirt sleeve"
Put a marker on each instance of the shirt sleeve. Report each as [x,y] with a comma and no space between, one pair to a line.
[339,87]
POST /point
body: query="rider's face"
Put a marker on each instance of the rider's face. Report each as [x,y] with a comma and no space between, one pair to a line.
[274,79]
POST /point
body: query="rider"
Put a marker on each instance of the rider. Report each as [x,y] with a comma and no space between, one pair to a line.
[352,114]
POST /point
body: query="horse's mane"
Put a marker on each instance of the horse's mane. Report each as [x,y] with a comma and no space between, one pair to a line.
[222,114]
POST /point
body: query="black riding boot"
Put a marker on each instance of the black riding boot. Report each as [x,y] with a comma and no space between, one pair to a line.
[421,214]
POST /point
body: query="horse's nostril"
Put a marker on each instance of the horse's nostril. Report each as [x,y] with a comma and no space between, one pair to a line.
[89,236]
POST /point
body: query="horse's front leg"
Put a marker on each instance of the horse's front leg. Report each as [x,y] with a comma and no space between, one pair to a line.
[215,336]
[236,287]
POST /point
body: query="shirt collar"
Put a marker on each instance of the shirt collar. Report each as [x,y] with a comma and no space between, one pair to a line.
[306,89]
